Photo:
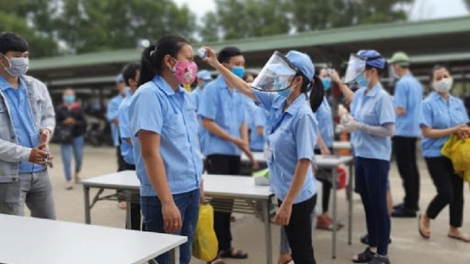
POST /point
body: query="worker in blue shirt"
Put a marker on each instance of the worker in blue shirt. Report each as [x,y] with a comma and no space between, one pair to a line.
[372,123]
[163,126]
[203,78]
[223,117]
[259,116]
[281,89]
[27,121]
[112,115]
[130,73]
[407,99]
[441,116]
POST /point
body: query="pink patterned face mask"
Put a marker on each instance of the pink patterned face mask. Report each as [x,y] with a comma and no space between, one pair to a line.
[185,72]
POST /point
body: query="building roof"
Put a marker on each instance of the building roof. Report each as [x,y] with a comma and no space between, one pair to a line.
[366,33]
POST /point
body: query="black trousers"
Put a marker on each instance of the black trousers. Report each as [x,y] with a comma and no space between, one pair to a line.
[224,165]
[449,190]
[299,231]
[405,155]
[136,218]
[326,185]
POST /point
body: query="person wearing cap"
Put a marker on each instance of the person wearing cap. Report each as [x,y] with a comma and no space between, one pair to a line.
[372,123]
[225,136]
[112,116]
[203,78]
[291,136]
[131,74]
[407,99]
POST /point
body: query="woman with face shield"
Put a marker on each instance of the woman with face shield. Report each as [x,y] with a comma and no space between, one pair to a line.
[372,123]
[443,115]
[291,129]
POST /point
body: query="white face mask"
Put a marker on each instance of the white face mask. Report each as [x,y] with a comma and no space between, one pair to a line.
[18,66]
[444,85]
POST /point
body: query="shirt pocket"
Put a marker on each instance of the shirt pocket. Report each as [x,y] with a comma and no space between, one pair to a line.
[174,128]
[370,119]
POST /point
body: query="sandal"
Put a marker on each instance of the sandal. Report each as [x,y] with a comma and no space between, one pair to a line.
[460,237]
[379,260]
[233,254]
[364,257]
[217,261]
[420,228]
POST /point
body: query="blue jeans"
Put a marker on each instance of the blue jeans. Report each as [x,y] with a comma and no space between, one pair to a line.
[371,183]
[188,204]
[66,150]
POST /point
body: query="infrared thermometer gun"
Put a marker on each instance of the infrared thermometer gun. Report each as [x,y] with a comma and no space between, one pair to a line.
[202,53]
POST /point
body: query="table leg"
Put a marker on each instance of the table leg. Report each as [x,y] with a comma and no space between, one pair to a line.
[86,193]
[335,220]
[267,232]
[175,255]
[128,210]
[350,202]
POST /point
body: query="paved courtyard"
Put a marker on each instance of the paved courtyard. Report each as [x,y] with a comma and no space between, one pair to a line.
[407,246]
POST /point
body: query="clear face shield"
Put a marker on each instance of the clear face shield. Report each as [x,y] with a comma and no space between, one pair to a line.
[276,75]
[356,66]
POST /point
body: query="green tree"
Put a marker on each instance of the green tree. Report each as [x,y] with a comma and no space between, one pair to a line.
[254,18]
[246,18]
[14,17]
[97,25]
[467,4]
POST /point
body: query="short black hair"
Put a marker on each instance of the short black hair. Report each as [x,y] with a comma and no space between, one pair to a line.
[227,53]
[12,42]
[129,72]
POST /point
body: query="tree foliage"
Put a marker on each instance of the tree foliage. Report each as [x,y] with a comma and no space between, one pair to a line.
[253,18]
[467,4]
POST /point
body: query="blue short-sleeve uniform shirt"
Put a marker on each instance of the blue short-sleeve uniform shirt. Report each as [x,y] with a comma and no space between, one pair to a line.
[156,107]
[408,95]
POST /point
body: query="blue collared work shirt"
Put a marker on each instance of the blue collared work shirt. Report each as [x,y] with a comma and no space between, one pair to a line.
[112,113]
[375,109]
[436,113]
[291,137]
[408,95]
[124,132]
[325,119]
[259,116]
[20,112]
[196,96]
[227,108]
[156,107]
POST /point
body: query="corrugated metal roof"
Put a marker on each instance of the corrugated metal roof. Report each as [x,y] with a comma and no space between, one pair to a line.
[326,37]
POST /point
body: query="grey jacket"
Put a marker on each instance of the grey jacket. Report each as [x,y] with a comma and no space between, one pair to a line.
[42,111]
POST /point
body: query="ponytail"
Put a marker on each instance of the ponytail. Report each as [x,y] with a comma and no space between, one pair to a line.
[152,57]
[316,93]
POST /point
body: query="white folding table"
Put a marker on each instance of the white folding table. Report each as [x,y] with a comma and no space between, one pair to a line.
[25,240]
[246,196]
[340,145]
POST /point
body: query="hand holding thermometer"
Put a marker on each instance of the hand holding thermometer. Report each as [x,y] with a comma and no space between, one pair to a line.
[202,53]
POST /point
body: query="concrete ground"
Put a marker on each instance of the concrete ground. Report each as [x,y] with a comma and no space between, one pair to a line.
[407,246]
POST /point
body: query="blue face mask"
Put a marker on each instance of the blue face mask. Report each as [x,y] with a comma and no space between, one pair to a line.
[238,71]
[284,93]
[362,80]
[68,99]
[326,83]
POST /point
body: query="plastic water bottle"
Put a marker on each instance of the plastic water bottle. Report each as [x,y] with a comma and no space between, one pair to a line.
[202,53]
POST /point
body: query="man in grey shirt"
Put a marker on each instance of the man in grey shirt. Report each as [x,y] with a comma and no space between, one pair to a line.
[27,121]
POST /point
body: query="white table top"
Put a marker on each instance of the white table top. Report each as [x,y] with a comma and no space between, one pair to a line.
[230,186]
[321,160]
[26,240]
[235,187]
[342,145]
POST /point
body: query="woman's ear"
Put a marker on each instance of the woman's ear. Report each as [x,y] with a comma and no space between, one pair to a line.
[168,61]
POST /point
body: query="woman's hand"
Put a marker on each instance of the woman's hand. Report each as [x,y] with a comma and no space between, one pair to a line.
[283,214]
[342,110]
[335,77]
[463,131]
[171,217]
[211,57]
[324,150]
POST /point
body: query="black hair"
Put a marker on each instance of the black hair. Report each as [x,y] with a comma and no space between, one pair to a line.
[152,57]
[227,53]
[12,42]
[379,71]
[317,92]
[129,72]
[436,68]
